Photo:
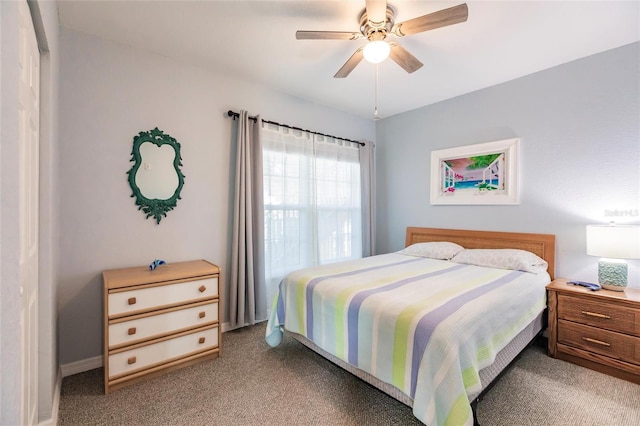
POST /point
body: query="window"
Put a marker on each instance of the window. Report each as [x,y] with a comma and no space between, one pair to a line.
[311,200]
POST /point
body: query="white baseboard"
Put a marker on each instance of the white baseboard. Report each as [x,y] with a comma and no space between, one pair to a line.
[81,366]
[56,399]
[226,327]
[53,421]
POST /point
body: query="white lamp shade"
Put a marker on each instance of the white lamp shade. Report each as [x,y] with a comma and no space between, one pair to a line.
[613,241]
[376,51]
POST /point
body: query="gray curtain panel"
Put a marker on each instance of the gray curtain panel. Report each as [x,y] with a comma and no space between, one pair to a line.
[247,303]
[368,197]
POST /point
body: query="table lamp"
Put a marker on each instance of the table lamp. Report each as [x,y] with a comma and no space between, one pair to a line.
[612,243]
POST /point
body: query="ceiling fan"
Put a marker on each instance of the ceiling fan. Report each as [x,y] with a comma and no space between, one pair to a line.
[377,21]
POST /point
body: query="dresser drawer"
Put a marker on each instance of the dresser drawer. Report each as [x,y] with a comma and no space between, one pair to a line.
[139,328]
[161,296]
[147,356]
[604,342]
[599,314]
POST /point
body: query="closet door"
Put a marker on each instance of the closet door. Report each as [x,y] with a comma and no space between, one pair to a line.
[29,145]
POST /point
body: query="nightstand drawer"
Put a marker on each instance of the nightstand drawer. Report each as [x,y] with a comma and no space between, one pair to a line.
[599,314]
[615,345]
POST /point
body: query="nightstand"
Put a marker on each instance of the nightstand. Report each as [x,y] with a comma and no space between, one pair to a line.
[599,330]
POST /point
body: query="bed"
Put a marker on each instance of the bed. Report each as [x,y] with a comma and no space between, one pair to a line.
[432,325]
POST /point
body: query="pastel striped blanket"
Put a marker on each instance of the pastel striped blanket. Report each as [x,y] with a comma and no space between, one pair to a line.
[425,326]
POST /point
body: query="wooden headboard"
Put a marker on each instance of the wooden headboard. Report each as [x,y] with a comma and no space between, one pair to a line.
[543,245]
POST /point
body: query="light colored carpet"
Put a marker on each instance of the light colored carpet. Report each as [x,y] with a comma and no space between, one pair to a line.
[253,384]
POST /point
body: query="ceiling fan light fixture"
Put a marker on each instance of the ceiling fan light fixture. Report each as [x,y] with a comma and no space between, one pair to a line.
[377,21]
[376,51]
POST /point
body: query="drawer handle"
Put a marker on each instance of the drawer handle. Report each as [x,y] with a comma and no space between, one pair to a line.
[593,314]
[201,314]
[597,342]
[132,300]
[132,331]
[202,289]
[201,340]
[131,360]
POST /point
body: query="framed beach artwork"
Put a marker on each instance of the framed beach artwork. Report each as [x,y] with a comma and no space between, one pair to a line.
[485,173]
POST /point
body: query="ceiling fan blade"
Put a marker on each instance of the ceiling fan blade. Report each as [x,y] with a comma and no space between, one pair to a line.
[442,18]
[402,57]
[377,12]
[350,64]
[327,35]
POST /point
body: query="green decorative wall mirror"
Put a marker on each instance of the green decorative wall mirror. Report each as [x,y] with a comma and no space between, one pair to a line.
[155,178]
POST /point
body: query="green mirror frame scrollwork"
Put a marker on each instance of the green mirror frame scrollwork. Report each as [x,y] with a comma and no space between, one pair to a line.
[154,207]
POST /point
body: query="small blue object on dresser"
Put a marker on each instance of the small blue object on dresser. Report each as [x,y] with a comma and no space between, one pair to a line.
[156,263]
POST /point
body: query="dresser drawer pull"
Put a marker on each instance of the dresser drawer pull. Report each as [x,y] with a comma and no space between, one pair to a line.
[132,300]
[131,360]
[201,340]
[597,342]
[132,331]
[201,314]
[202,289]
[593,314]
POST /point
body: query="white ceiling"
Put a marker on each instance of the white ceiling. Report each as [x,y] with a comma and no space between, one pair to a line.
[501,41]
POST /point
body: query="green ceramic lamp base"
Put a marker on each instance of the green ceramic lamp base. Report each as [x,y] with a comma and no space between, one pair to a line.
[612,274]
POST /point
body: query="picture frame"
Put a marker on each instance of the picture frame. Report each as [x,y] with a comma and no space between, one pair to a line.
[485,173]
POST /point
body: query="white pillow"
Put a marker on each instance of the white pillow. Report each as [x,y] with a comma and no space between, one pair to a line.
[434,250]
[519,260]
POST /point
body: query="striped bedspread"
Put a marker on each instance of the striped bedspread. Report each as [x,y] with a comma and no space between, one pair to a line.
[425,326]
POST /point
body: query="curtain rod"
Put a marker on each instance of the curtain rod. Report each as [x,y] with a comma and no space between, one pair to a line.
[235,114]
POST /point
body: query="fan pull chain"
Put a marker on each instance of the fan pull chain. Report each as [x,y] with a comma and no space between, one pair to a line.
[375,106]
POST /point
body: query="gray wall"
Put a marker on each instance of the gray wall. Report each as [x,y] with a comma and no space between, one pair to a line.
[110,92]
[45,16]
[580,156]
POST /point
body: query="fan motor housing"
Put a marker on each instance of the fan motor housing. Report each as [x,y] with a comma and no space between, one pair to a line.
[376,32]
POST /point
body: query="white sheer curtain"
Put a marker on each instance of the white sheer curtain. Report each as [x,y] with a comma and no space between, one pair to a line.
[312,203]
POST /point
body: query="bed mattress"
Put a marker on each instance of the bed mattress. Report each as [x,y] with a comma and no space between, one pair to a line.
[426,327]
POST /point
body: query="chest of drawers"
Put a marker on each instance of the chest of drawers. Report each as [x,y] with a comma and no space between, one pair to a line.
[599,330]
[160,320]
